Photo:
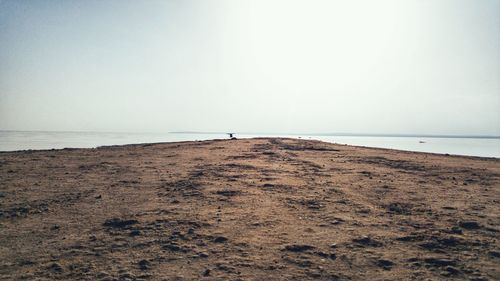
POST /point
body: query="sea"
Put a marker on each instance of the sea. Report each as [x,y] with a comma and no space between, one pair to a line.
[454,145]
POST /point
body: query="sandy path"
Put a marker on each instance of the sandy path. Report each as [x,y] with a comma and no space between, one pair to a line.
[276,209]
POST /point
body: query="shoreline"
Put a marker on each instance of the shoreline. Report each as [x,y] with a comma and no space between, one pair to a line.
[251,138]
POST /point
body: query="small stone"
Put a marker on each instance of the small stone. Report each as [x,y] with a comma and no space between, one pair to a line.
[119,223]
[172,247]
[203,255]
[367,241]
[469,225]
[220,239]
[298,248]
[479,278]
[102,274]
[127,276]
[439,261]
[313,273]
[495,254]
[206,272]
[456,230]
[452,270]
[385,264]
[321,254]
[55,267]
[135,232]
[143,264]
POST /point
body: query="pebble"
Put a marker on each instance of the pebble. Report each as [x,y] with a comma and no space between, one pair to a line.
[439,261]
[203,255]
[385,264]
[119,223]
[206,272]
[144,264]
[495,254]
[135,232]
[452,270]
[298,248]
[469,225]
[56,267]
[220,239]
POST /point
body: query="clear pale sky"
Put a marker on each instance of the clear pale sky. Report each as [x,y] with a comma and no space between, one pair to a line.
[429,67]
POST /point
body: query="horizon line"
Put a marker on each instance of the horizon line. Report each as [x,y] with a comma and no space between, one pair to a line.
[346,134]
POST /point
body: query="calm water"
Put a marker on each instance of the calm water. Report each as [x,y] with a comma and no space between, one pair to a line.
[17,140]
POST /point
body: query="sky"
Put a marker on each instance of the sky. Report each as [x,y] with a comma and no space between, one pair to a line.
[274,66]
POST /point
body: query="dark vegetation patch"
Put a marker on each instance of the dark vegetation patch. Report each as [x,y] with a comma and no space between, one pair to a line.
[469,225]
[264,148]
[242,156]
[228,193]
[366,241]
[119,223]
[184,187]
[306,147]
[394,164]
[42,205]
[399,208]
[237,166]
[314,204]
[385,264]
[227,172]
[298,248]
[439,242]
[275,187]
[434,261]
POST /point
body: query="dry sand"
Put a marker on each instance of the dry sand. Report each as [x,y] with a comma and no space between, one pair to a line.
[254,209]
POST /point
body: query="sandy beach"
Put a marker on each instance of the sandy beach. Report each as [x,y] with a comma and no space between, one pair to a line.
[249,209]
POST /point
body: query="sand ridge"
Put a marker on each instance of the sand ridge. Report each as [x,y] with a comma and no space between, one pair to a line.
[249,209]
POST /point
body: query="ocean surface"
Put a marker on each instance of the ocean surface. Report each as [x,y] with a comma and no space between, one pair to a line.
[23,140]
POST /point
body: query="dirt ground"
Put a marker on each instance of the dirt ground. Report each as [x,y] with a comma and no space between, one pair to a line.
[250,209]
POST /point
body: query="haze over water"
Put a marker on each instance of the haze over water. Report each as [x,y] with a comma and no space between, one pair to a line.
[18,140]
